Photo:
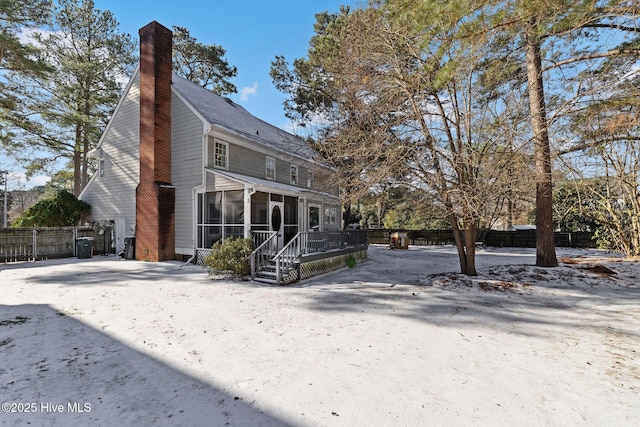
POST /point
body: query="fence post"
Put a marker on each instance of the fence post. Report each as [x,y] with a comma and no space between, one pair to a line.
[34,243]
[75,239]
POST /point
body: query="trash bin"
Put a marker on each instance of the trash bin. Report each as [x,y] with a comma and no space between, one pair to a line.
[399,240]
[84,247]
[130,247]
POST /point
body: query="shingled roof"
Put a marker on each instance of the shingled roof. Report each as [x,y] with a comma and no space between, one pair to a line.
[220,111]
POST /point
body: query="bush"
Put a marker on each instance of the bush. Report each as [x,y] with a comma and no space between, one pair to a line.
[63,209]
[351,261]
[230,256]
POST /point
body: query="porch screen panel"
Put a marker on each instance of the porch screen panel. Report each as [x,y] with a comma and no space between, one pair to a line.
[209,214]
[259,211]
[200,228]
[220,216]
[234,213]
[213,232]
[234,207]
[290,217]
[214,202]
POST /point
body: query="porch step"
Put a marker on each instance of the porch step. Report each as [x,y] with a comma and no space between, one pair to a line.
[265,280]
[267,273]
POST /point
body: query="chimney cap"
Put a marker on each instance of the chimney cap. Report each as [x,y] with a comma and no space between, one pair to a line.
[154,26]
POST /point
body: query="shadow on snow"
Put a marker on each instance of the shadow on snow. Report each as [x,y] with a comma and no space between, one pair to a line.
[53,359]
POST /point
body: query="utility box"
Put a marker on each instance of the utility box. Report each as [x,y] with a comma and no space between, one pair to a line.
[399,240]
[84,247]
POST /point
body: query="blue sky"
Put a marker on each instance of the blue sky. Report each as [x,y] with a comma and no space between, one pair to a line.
[252,32]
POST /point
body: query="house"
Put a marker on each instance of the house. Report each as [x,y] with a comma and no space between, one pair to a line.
[521,227]
[180,168]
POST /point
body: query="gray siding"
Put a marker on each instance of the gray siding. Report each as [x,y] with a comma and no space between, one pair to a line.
[244,161]
[114,195]
[282,171]
[186,169]
[338,223]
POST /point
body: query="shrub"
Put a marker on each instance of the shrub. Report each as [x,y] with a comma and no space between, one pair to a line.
[63,209]
[351,261]
[230,256]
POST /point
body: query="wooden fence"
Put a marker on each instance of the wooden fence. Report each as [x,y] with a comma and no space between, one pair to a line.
[511,239]
[32,244]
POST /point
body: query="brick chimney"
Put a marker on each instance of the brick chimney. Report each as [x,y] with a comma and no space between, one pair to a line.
[155,196]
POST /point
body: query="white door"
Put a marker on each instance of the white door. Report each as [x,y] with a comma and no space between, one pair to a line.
[276,221]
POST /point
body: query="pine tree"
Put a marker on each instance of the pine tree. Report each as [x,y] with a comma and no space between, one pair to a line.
[62,114]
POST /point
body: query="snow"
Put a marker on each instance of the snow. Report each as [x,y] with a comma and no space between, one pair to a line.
[399,340]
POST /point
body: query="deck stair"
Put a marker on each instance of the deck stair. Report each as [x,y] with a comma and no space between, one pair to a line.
[273,264]
[267,273]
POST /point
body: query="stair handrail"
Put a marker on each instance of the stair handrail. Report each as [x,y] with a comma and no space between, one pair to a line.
[288,255]
[262,254]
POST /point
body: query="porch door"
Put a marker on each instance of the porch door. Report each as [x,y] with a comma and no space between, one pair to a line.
[276,221]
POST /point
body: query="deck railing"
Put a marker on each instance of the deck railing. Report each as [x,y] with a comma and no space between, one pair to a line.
[306,242]
[322,241]
[266,246]
[288,255]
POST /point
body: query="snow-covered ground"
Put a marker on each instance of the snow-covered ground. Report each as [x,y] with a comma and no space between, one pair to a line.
[399,340]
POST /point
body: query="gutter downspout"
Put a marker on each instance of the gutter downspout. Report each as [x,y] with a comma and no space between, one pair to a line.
[206,129]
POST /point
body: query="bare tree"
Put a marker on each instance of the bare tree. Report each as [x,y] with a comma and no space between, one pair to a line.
[401,108]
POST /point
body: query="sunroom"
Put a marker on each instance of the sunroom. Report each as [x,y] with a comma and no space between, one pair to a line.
[232,205]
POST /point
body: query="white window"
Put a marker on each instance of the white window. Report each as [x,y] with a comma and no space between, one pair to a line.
[271,168]
[329,216]
[221,155]
[310,178]
[294,175]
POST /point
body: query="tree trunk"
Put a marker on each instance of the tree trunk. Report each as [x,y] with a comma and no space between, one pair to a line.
[86,129]
[84,172]
[545,244]
[465,241]
[470,246]
[346,214]
[77,173]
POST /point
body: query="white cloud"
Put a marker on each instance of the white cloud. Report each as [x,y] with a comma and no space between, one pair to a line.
[245,92]
[17,180]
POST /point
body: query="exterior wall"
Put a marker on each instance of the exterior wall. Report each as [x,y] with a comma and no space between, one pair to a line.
[326,226]
[186,136]
[246,161]
[113,195]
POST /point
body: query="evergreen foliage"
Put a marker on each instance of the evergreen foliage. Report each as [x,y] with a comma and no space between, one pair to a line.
[63,209]
[61,114]
[202,64]
[230,256]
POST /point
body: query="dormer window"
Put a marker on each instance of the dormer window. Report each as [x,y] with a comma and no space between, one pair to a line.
[270,171]
[221,155]
[294,175]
